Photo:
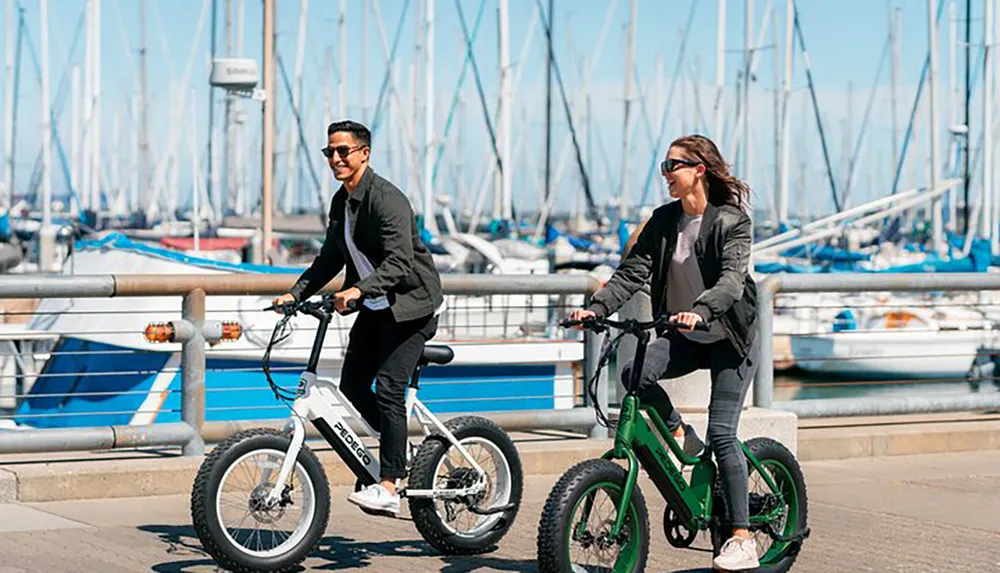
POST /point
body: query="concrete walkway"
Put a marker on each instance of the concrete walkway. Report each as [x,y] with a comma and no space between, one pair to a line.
[928,513]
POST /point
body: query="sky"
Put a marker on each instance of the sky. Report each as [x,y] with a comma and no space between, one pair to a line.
[845,41]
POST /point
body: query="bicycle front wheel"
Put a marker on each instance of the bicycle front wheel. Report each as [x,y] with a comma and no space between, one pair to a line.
[575,529]
[235,524]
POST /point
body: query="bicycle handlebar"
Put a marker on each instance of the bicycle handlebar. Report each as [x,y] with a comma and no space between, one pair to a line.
[321,310]
[631,325]
[325,305]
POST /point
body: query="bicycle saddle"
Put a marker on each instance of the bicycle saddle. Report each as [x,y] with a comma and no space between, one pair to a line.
[437,354]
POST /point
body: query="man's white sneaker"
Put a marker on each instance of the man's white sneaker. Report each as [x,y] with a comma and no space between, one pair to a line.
[737,554]
[376,498]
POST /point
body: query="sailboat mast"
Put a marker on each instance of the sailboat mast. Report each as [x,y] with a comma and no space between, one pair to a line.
[936,203]
[952,102]
[74,138]
[267,159]
[88,109]
[95,127]
[506,109]
[430,222]
[226,193]
[720,69]
[548,100]
[342,77]
[986,200]
[43,16]
[364,61]
[786,96]
[8,99]
[293,131]
[894,31]
[968,102]
[748,58]
[325,182]
[629,75]
[144,176]
[210,171]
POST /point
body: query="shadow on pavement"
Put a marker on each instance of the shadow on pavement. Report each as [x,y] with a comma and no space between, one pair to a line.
[342,553]
[181,540]
[334,553]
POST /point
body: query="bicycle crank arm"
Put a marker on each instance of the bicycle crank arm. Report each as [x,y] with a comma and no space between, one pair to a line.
[498,509]
[797,538]
[440,493]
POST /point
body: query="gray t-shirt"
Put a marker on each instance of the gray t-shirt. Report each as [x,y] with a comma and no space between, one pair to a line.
[684,282]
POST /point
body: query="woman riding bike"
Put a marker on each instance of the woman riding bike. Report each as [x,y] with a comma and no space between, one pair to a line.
[694,254]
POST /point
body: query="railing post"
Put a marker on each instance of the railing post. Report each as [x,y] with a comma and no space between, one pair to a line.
[193,372]
[591,355]
[763,385]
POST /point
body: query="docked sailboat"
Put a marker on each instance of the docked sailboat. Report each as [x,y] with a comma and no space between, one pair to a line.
[897,342]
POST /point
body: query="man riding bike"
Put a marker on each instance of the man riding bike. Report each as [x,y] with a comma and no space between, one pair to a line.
[373,233]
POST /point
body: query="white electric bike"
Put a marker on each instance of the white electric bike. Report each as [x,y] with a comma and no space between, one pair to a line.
[261,500]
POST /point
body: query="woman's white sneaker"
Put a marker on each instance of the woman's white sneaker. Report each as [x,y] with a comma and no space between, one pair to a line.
[376,498]
[737,554]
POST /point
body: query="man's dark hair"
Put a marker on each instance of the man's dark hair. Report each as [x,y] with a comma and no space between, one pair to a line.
[360,132]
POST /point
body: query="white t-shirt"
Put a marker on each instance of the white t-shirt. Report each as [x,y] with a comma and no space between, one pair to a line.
[366,268]
[684,282]
[361,263]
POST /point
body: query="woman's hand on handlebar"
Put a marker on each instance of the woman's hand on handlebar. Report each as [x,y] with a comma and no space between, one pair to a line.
[686,321]
[281,300]
[581,314]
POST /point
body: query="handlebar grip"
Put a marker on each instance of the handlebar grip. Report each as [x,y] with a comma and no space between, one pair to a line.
[283,307]
[702,326]
[352,307]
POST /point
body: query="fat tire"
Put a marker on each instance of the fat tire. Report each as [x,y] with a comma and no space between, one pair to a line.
[766,449]
[558,511]
[422,474]
[206,488]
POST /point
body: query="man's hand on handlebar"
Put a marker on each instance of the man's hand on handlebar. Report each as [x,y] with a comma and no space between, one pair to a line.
[581,314]
[347,300]
[278,301]
[686,321]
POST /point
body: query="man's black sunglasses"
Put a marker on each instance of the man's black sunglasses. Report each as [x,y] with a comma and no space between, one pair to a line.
[670,164]
[341,150]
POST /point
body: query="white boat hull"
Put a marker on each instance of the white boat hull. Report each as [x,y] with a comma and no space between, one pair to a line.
[891,354]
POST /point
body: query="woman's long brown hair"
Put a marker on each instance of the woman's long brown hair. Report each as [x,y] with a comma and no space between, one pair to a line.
[723,187]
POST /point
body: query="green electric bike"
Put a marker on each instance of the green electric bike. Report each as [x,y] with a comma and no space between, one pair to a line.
[595,517]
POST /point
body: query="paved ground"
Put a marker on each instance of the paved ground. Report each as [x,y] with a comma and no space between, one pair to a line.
[898,514]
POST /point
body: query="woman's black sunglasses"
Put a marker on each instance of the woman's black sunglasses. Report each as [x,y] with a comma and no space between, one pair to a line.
[669,164]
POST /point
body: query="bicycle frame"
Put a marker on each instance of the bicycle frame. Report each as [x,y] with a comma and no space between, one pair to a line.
[636,442]
[317,403]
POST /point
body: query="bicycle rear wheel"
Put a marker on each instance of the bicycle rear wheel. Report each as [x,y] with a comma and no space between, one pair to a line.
[775,556]
[448,524]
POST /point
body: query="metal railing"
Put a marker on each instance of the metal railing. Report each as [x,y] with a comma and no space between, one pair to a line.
[523,306]
[512,307]
[927,285]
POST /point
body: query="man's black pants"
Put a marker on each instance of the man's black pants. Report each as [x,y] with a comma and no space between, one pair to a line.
[387,351]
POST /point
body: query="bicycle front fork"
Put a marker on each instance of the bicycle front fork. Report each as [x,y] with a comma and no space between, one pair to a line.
[298,430]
